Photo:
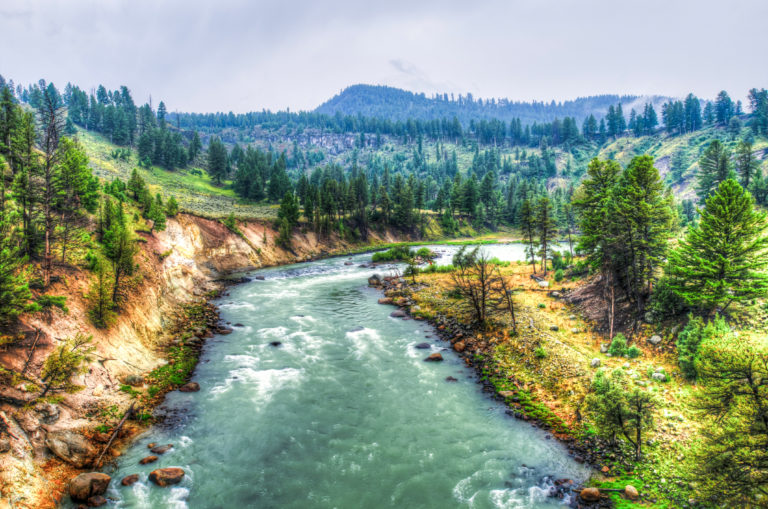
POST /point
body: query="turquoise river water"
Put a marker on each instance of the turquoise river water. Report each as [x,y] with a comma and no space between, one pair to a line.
[344,413]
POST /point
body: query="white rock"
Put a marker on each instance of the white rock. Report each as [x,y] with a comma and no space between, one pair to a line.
[655,339]
[595,363]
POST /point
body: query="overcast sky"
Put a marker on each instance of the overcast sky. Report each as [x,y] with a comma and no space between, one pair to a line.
[244,55]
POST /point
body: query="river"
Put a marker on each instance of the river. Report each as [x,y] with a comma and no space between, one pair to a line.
[344,413]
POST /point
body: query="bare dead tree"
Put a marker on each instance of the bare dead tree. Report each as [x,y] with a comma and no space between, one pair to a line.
[474,279]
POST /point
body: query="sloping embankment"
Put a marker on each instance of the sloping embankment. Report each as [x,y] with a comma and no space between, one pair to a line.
[178,266]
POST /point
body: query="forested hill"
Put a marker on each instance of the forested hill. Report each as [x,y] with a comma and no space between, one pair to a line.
[397,104]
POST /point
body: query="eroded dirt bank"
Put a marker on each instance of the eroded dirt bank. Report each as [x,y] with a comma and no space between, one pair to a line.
[44,442]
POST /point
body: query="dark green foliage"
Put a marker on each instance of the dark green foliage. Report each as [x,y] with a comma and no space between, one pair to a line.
[546,228]
[50,301]
[172,207]
[618,346]
[625,220]
[618,409]
[732,458]
[559,275]
[218,164]
[633,352]
[692,336]
[14,289]
[120,249]
[714,168]
[66,360]
[397,253]
[665,302]
[722,259]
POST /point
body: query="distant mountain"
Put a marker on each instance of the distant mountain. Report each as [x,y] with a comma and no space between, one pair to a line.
[397,104]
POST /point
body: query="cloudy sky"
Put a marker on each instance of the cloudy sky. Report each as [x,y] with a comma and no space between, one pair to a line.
[244,55]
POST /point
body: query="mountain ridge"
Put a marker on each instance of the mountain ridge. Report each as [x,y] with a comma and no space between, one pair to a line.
[398,104]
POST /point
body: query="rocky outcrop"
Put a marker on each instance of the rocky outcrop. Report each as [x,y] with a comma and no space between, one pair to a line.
[71,447]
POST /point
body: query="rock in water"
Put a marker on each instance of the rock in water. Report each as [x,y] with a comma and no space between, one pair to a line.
[275,343]
[451,379]
[162,449]
[166,476]
[398,314]
[148,459]
[435,357]
[88,485]
[71,446]
[130,480]
[423,346]
[631,492]
[459,346]
[97,501]
[590,494]
[374,280]
[190,387]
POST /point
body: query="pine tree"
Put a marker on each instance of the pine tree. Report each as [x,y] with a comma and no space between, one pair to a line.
[14,289]
[714,168]
[546,227]
[120,248]
[642,211]
[746,163]
[528,225]
[722,259]
[172,207]
[75,188]
[217,160]
[65,361]
[195,146]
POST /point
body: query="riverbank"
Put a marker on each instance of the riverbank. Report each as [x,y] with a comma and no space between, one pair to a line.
[152,348]
[543,374]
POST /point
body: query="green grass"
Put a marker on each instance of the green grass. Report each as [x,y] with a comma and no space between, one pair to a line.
[196,193]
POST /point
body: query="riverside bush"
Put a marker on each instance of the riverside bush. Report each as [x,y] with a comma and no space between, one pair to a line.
[618,346]
[691,337]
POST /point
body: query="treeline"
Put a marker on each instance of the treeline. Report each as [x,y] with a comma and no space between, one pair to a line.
[49,201]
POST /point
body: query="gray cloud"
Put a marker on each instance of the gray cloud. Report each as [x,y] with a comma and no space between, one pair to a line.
[245,55]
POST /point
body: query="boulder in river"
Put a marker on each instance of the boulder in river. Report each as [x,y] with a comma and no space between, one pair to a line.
[451,379]
[97,501]
[423,346]
[435,357]
[71,446]
[190,387]
[374,280]
[87,485]
[162,449]
[398,313]
[130,480]
[148,459]
[166,476]
[385,300]
[258,278]
[275,343]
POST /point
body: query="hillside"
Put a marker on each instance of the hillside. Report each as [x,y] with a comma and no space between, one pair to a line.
[396,104]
